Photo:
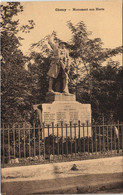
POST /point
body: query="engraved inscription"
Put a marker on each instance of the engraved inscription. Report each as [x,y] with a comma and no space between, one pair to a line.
[61,116]
[66,112]
[74,117]
[49,117]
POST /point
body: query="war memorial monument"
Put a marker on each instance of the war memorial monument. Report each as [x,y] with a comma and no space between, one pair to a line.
[60,105]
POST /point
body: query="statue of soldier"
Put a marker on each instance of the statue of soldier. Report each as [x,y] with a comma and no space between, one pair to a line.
[59,66]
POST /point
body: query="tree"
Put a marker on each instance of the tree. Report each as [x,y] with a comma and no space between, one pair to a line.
[106,92]
[15,96]
[101,86]
[88,52]
[38,69]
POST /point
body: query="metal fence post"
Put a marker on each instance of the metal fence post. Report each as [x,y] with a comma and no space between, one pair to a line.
[100,139]
[8,143]
[103,137]
[71,138]
[48,142]
[95,139]
[92,144]
[107,139]
[43,131]
[3,159]
[66,142]
[83,138]
[79,143]
[62,138]
[75,137]
[111,138]
[122,135]
[53,138]
[57,140]
[39,137]
[115,145]
[29,143]
[19,142]
[13,138]
[34,136]
[118,137]
[24,140]
[87,137]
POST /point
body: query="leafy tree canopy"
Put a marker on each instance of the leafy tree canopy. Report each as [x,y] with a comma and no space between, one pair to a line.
[15,79]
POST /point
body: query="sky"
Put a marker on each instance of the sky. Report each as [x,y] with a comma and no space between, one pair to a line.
[105,23]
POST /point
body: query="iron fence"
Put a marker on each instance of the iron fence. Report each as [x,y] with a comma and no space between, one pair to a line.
[61,141]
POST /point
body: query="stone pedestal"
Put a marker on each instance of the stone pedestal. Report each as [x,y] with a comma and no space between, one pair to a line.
[50,97]
[64,108]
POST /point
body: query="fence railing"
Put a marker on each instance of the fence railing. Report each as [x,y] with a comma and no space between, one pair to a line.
[61,141]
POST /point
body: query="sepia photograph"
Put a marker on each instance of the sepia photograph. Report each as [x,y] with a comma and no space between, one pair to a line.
[61,97]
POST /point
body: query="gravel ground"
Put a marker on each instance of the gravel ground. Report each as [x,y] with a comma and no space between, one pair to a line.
[63,169]
[90,176]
